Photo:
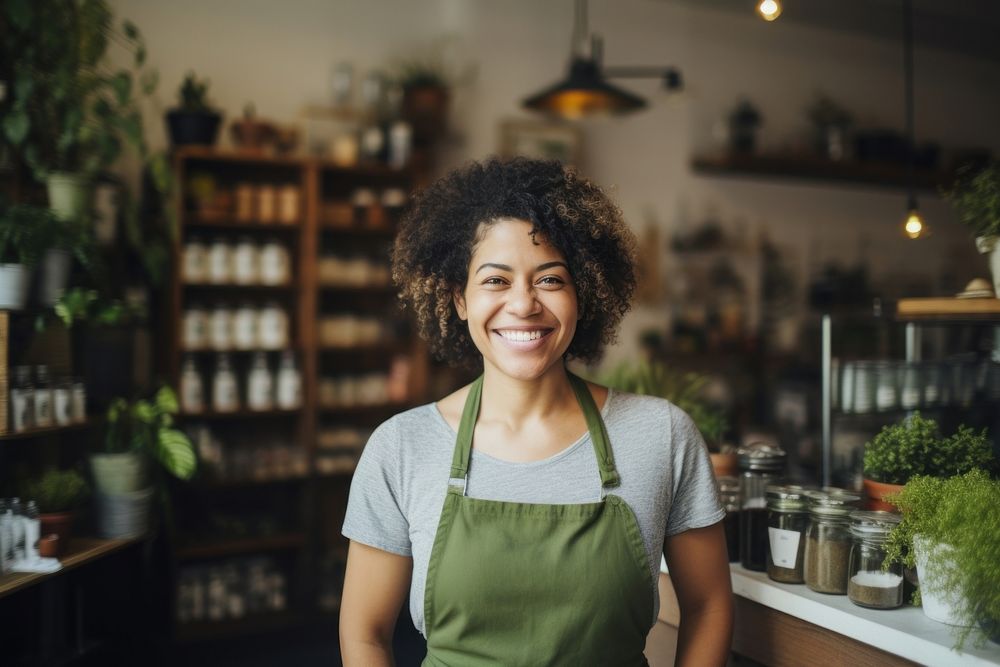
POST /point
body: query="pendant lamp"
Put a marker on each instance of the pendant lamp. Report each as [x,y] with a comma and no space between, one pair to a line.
[585,91]
[914,226]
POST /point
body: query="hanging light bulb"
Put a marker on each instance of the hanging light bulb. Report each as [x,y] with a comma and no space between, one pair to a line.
[914,225]
[769,10]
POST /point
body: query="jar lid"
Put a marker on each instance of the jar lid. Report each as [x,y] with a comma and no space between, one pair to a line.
[761,456]
[873,524]
[787,497]
[833,502]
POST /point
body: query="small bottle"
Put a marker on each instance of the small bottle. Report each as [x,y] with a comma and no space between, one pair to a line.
[194,330]
[43,397]
[272,327]
[16,530]
[22,399]
[244,334]
[220,328]
[62,404]
[192,388]
[400,140]
[225,394]
[289,383]
[219,262]
[31,531]
[6,551]
[78,398]
[275,263]
[195,261]
[245,262]
[260,384]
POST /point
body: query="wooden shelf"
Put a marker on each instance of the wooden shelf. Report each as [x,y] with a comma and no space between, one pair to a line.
[949,310]
[377,233]
[49,431]
[193,221]
[210,154]
[231,287]
[80,552]
[250,545]
[813,168]
[239,414]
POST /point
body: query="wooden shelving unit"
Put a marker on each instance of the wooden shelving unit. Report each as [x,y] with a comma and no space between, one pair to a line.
[80,552]
[793,167]
[316,497]
[946,309]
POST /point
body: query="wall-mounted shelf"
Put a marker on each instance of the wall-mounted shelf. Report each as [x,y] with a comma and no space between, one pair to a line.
[948,310]
[80,552]
[803,168]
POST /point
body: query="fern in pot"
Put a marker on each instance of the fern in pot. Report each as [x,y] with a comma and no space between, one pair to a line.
[950,531]
[141,445]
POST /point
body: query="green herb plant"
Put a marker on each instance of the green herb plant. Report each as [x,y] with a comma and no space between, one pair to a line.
[55,490]
[962,513]
[26,231]
[193,93]
[915,446]
[682,389]
[147,427]
[79,305]
[976,197]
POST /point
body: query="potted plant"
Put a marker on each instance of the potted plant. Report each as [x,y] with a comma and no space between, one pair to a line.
[685,391]
[915,446]
[69,113]
[976,197]
[58,494]
[830,123]
[25,232]
[743,123]
[426,79]
[140,443]
[193,122]
[950,530]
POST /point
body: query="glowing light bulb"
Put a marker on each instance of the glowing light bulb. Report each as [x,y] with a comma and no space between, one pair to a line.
[914,226]
[769,10]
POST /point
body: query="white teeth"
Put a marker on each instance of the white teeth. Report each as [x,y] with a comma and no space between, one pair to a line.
[521,336]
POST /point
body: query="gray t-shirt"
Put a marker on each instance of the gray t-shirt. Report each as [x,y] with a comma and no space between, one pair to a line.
[399,486]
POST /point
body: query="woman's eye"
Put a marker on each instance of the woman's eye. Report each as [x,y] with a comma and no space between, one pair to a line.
[493,281]
[552,280]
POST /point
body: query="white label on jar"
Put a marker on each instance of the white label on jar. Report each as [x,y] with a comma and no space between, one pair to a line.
[274,268]
[885,398]
[784,546]
[195,329]
[910,398]
[289,389]
[220,329]
[195,268]
[245,264]
[43,407]
[21,402]
[63,406]
[245,329]
[272,328]
[219,268]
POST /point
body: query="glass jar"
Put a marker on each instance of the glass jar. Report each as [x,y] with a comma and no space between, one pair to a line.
[244,323]
[245,262]
[729,498]
[911,386]
[864,387]
[886,385]
[192,393]
[225,392]
[62,402]
[267,204]
[934,391]
[260,384]
[195,261]
[194,329]
[787,523]
[760,464]
[78,400]
[288,204]
[275,263]
[272,327]
[220,269]
[220,328]
[870,585]
[245,204]
[847,387]
[828,540]
[43,397]
[288,383]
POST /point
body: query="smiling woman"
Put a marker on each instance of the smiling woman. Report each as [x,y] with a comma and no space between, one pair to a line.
[526,513]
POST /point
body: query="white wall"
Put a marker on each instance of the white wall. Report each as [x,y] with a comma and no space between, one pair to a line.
[280,55]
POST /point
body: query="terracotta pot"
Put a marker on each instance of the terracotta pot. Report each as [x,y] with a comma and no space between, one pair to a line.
[60,524]
[874,491]
[724,464]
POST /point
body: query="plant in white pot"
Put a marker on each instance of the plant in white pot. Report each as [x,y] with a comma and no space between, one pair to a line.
[25,232]
[976,197]
[141,445]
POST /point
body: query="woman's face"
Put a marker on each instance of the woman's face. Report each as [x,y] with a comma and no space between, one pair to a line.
[519,301]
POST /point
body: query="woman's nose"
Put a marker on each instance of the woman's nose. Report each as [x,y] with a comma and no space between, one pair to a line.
[522,302]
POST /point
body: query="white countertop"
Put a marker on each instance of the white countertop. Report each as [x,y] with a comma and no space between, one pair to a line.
[905,632]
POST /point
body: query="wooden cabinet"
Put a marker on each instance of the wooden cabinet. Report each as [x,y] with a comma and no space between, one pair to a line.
[272,486]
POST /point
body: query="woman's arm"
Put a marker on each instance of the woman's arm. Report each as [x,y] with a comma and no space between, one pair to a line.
[375,586]
[699,571]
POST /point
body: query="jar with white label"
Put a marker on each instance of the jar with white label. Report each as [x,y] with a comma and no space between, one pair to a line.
[289,384]
[787,523]
[22,400]
[245,262]
[62,402]
[275,263]
[272,327]
[220,328]
[260,384]
[194,328]
[225,392]
[194,265]
[43,397]
[220,270]
[78,398]
[244,332]
[192,390]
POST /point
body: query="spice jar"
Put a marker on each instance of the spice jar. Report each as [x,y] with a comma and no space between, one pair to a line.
[245,262]
[225,392]
[828,540]
[864,387]
[911,386]
[787,523]
[871,585]
[886,391]
[275,263]
[288,205]
[729,498]
[219,262]
[272,327]
[244,202]
[260,384]
[192,394]
[195,261]
[194,330]
[267,204]
[244,323]
[220,328]
[760,464]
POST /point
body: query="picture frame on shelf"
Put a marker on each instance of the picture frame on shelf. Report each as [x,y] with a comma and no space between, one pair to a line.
[541,139]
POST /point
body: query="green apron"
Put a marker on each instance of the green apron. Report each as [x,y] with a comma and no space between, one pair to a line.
[532,584]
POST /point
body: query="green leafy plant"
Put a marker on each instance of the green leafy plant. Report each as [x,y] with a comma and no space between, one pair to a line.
[55,490]
[976,197]
[915,446]
[682,389]
[147,427]
[193,93]
[80,305]
[963,513]
[825,112]
[26,231]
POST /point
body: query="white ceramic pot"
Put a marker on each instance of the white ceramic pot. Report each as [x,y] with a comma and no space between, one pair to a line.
[116,474]
[67,194]
[941,606]
[14,279]
[56,265]
[990,245]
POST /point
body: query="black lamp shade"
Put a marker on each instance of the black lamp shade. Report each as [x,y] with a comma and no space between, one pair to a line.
[584,93]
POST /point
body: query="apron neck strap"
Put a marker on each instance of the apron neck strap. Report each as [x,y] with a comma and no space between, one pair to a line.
[595,426]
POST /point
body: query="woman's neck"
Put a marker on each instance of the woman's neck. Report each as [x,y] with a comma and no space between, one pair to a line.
[513,401]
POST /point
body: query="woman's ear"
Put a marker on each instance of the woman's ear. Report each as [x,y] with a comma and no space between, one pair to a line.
[459,299]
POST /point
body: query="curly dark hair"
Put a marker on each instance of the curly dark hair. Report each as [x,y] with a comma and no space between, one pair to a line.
[437,237]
